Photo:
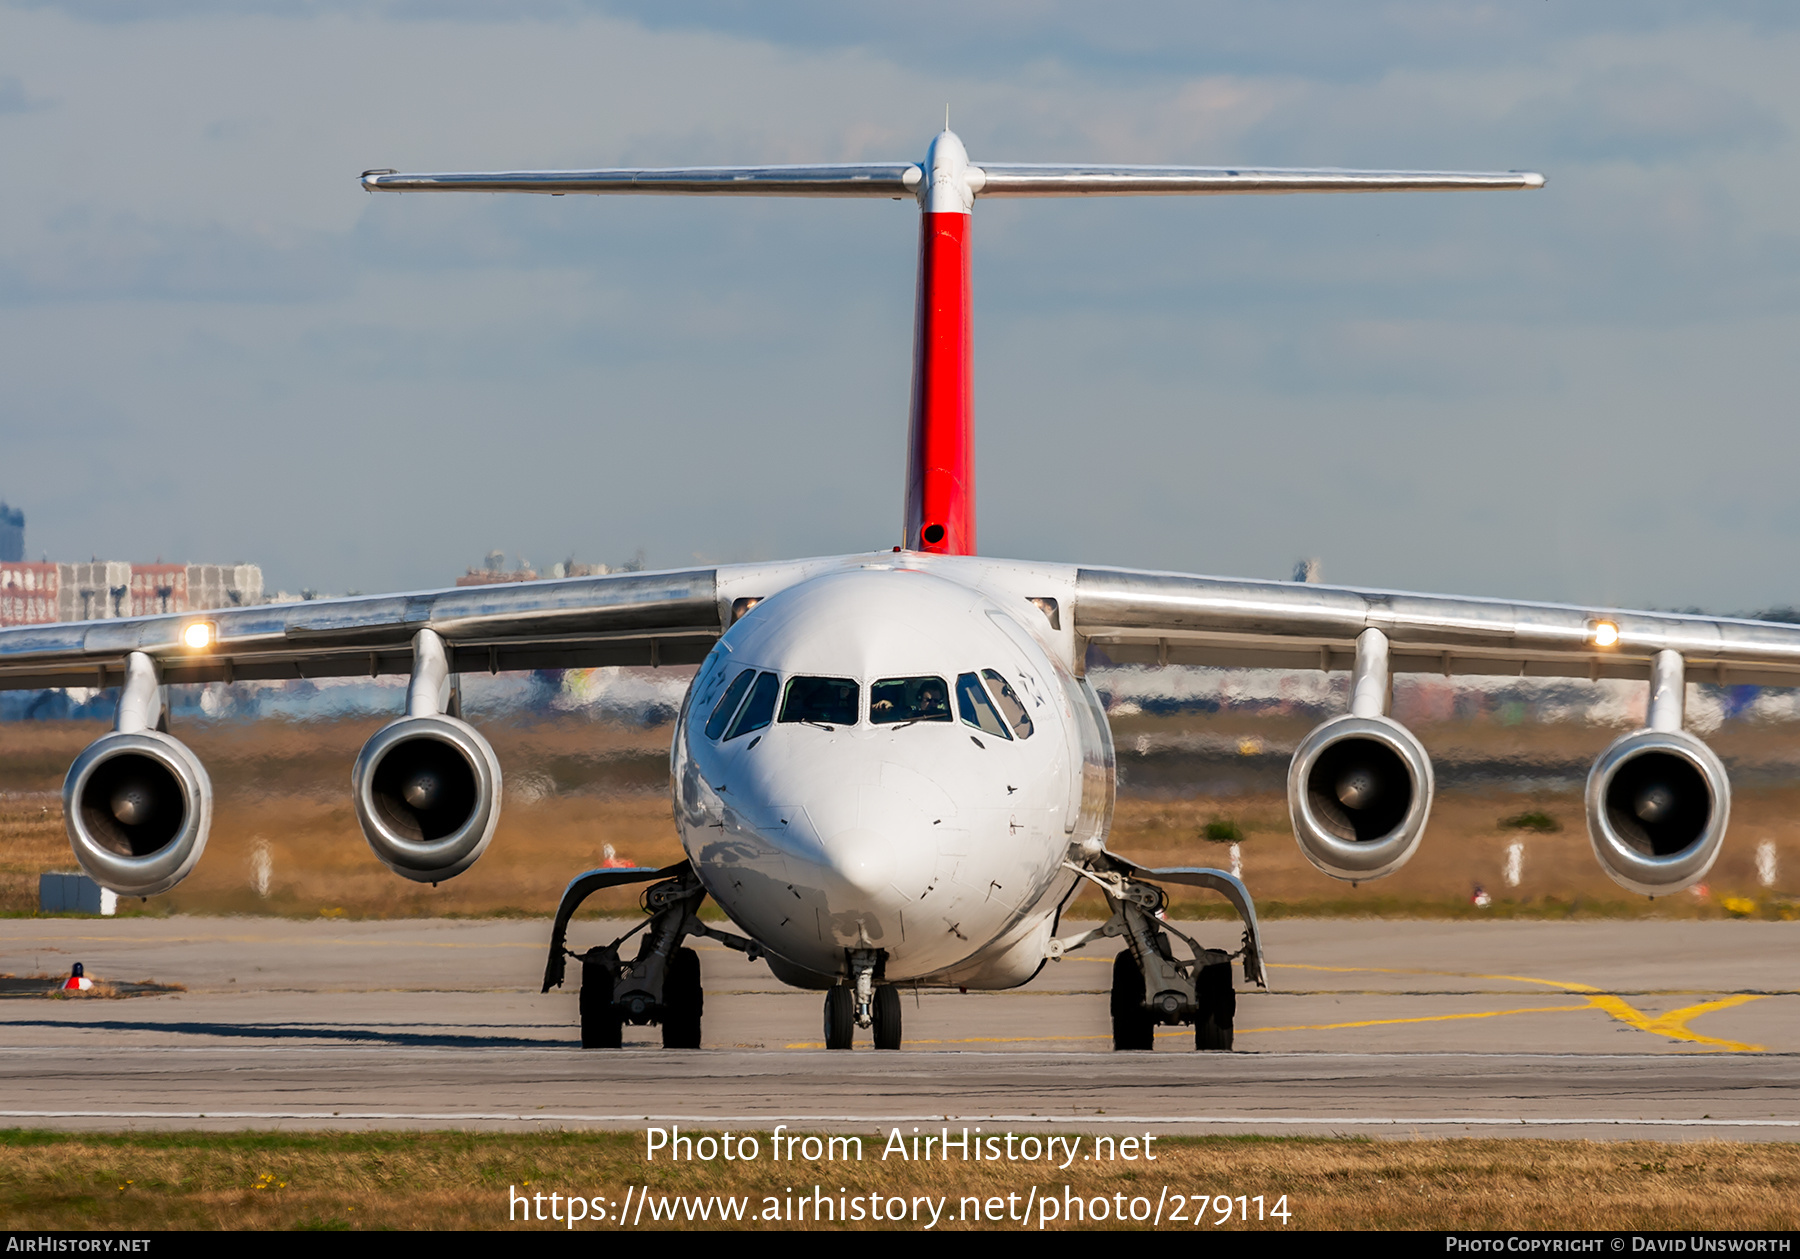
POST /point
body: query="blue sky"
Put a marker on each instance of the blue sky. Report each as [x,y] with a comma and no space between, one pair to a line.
[217,347]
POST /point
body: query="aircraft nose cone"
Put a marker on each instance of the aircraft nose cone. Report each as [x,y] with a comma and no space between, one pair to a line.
[862,859]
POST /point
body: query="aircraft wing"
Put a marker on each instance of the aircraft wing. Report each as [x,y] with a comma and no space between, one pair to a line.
[621,618]
[1178,618]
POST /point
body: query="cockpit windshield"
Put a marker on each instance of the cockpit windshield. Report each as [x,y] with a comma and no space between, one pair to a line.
[727,706]
[976,709]
[822,701]
[1009,703]
[908,700]
[757,709]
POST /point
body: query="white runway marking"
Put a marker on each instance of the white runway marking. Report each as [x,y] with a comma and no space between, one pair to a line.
[1323,1121]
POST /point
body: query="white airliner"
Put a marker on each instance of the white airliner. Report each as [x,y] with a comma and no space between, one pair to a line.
[889,769]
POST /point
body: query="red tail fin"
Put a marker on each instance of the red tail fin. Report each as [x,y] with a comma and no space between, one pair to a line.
[940,473]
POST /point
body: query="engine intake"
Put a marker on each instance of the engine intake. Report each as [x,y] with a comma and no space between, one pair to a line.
[137,803]
[137,808]
[1657,805]
[427,787]
[1359,791]
[427,793]
[1360,786]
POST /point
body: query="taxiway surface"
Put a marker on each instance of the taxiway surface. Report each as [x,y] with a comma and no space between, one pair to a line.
[1663,1029]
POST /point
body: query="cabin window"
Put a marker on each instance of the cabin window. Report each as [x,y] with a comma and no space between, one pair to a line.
[1009,703]
[758,709]
[822,701]
[973,705]
[727,706]
[895,700]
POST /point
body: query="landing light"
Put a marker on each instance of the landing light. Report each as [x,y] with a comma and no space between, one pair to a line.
[199,635]
[1605,633]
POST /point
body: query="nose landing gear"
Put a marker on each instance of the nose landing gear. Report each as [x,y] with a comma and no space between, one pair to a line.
[864,1002]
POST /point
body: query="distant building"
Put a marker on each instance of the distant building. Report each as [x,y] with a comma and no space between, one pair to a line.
[29,593]
[39,594]
[12,534]
[46,592]
[494,571]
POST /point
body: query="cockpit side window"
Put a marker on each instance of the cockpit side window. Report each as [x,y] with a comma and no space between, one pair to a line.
[758,709]
[1009,703]
[908,700]
[727,706]
[825,701]
[973,705]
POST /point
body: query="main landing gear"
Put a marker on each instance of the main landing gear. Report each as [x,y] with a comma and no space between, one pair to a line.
[661,984]
[863,1002]
[1150,985]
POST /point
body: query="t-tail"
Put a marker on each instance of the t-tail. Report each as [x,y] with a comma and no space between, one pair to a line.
[940,476]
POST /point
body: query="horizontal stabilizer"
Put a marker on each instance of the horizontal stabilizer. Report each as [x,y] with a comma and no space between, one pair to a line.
[877,179]
[902,179]
[1014,180]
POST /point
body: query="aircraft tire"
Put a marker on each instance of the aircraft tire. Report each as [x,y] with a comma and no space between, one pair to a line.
[840,1017]
[601,1026]
[684,1000]
[887,1017]
[1133,1026]
[1218,1008]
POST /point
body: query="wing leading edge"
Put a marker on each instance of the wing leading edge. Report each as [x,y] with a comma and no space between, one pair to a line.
[1176,618]
[622,618]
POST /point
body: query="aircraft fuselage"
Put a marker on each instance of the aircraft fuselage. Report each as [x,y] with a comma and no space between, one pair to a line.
[887,759]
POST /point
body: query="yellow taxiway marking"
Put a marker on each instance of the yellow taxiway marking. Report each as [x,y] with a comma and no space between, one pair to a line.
[1424,1018]
[1673,1024]
[1242,1031]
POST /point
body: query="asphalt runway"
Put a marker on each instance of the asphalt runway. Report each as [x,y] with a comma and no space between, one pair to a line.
[1672,1030]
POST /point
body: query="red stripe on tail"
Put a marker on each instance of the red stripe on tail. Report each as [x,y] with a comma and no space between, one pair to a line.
[940,473]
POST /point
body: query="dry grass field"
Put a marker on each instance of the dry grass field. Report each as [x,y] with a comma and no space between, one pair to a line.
[575,786]
[444,1180]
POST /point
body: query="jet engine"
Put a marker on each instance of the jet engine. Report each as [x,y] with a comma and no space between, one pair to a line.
[427,786]
[1359,790]
[137,804]
[1658,799]
[1360,786]
[137,807]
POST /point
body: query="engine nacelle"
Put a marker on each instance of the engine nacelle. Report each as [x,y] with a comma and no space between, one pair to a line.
[427,792]
[137,806]
[1657,804]
[1359,791]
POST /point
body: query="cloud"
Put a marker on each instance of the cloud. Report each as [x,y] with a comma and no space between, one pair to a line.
[195,293]
[13,99]
[1645,113]
[88,254]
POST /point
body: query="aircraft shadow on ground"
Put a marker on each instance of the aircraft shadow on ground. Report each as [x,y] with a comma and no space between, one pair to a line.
[304,1031]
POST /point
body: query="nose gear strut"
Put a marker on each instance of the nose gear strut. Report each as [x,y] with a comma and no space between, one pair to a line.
[866,1001]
